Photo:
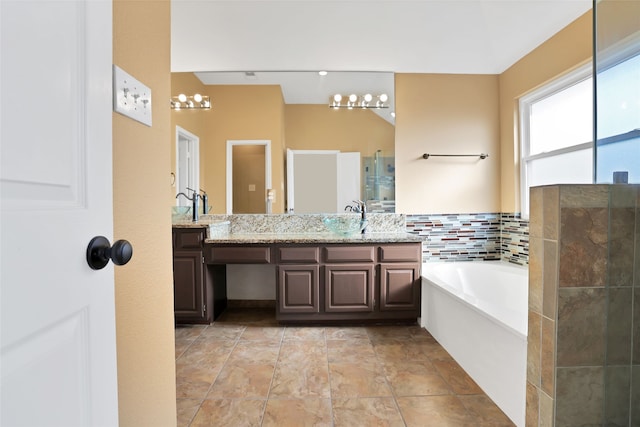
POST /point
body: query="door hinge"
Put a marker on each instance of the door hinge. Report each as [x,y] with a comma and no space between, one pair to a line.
[203,259]
[204,308]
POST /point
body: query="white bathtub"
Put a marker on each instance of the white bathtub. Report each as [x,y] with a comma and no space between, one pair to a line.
[478,312]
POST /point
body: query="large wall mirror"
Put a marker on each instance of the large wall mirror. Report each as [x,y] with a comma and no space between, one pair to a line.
[299,113]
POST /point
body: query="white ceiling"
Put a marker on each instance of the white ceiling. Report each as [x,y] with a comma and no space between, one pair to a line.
[406,36]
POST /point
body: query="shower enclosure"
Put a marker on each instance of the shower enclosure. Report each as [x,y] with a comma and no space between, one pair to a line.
[379,172]
[617,160]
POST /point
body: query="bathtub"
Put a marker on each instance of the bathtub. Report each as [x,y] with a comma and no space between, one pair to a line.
[478,312]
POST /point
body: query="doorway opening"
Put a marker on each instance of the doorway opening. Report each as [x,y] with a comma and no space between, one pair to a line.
[248,176]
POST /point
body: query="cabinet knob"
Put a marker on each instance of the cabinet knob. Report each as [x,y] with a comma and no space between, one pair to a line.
[99,252]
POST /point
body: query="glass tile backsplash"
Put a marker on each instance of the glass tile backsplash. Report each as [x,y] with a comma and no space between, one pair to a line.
[472,237]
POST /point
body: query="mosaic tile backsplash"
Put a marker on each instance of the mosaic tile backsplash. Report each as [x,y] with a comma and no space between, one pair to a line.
[472,237]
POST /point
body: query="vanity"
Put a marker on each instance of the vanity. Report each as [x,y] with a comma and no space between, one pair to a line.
[321,277]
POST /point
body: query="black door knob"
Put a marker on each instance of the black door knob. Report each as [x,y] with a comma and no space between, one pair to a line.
[99,252]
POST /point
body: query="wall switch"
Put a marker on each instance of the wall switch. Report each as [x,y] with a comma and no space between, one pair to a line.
[130,97]
[252,187]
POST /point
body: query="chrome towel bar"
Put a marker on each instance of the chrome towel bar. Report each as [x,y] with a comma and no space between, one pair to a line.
[481,155]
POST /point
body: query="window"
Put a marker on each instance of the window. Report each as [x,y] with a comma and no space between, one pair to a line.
[556,123]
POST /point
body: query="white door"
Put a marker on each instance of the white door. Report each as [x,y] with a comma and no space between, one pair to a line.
[187,165]
[58,359]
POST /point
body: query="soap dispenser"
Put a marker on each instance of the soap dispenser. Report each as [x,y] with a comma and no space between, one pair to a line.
[194,208]
[205,202]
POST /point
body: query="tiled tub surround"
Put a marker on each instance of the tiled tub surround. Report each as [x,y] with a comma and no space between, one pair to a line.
[472,237]
[583,364]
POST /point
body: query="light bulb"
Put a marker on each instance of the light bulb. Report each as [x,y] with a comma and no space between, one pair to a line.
[337,97]
[182,97]
[322,73]
[197,97]
[383,97]
[368,97]
[353,98]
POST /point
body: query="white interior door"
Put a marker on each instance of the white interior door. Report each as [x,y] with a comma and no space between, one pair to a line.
[349,188]
[188,164]
[58,358]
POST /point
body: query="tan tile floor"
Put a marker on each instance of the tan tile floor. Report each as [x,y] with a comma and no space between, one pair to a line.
[246,370]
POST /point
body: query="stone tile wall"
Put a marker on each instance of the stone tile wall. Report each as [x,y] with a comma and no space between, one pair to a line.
[583,361]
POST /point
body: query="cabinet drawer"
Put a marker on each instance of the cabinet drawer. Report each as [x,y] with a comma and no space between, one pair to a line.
[310,254]
[401,253]
[188,239]
[238,255]
[351,253]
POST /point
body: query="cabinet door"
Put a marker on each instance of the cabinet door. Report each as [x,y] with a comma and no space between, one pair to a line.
[298,289]
[188,286]
[399,287]
[349,288]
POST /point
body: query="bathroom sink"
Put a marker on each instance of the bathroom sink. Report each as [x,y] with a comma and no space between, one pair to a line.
[179,211]
[344,225]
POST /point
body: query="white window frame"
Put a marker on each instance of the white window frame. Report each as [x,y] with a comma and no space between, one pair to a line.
[578,75]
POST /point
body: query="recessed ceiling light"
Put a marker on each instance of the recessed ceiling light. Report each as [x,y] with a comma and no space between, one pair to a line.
[322,73]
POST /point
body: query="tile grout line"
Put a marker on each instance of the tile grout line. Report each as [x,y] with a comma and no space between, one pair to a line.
[217,375]
[275,366]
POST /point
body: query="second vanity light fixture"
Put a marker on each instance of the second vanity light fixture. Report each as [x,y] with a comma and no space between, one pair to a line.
[359,101]
[195,102]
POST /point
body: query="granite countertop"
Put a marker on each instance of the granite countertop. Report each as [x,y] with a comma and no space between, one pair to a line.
[189,224]
[266,238]
[289,228]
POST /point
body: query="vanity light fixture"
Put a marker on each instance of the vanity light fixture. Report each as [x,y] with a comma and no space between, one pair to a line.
[195,102]
[359,101]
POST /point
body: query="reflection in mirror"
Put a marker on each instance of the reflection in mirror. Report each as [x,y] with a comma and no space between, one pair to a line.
[243,103]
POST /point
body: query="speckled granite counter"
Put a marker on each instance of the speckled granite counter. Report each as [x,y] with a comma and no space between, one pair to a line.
[295,229]
[301,238]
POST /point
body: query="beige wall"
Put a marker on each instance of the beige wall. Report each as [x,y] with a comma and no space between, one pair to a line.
[468,114]
[141,165]
[317,127]
[568,49]
[447,114]
[617,19]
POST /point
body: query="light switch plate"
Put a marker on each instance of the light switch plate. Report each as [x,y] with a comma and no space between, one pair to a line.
[130,97]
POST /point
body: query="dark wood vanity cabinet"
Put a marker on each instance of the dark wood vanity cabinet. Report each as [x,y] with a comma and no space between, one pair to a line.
[354,282]
[315,282]
[193,281]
